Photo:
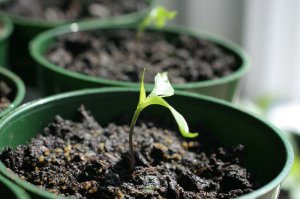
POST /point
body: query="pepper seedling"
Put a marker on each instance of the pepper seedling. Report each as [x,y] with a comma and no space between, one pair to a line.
[162,88]
[158,17]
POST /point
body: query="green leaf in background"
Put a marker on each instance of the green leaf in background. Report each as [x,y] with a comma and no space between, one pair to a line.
[158,17]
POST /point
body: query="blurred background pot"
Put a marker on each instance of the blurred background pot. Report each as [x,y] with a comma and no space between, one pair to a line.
[54,79]
[17,89]
[267,152]
[6,28]
[26,28]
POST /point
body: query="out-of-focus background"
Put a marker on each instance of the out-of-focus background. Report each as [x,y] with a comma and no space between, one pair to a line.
[269,30]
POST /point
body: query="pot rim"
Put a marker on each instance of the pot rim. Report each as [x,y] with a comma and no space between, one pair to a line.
[7,27]
[40,102]
[27,21]
[38,56]
[20,90]
[19,193]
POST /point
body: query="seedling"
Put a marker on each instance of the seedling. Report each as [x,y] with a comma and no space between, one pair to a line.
[162,88]
[158,17]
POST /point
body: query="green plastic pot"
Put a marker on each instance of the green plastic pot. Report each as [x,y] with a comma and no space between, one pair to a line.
[26,29]
[267,152]
[54,79]
[9,190]
[4,39]
[17,86]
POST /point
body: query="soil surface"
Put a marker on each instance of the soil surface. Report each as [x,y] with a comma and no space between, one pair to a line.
[5,92]
[82,159]
[118,55]
[60,10]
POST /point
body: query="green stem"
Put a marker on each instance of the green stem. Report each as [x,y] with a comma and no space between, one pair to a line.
[139,36]
[131,150]
[140,107]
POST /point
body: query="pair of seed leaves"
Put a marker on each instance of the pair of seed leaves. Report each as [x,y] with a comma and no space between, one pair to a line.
[158,17]
[162,88]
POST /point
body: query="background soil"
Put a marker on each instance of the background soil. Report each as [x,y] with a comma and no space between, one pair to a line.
[5,92]
[61,10]
[118,55]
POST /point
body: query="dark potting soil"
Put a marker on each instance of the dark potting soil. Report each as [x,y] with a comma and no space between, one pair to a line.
[116,55]
[5,92]
[82,159]
[60,10]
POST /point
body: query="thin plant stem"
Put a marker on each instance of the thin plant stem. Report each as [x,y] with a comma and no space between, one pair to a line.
[131,149]
[139,36]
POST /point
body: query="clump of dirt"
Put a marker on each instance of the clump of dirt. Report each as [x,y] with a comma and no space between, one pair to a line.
[62,10]
[117,55]
[82,159]
[5,92]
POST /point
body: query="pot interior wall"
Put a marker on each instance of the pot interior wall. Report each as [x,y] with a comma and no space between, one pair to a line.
[265,152]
